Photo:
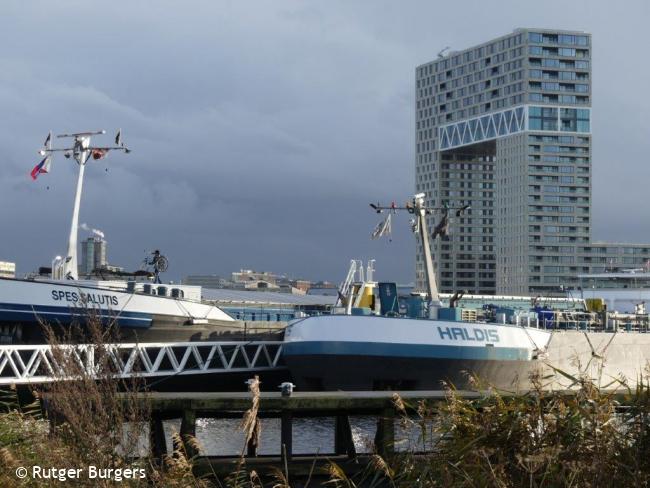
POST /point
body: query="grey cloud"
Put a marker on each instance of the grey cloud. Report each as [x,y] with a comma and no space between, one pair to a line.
[261,131]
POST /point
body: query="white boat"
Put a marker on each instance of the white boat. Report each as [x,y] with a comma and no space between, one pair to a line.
[372,352]
[26,304]
[154,312]
[360,352]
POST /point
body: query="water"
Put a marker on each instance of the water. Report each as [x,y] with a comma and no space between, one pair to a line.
[224,437]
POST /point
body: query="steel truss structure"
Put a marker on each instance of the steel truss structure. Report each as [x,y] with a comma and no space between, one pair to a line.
[507,122]
[483,128]
[25,364]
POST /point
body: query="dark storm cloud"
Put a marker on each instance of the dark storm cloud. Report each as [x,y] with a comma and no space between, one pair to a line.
[261,130]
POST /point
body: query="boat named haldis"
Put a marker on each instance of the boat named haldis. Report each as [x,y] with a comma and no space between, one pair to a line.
[365,352]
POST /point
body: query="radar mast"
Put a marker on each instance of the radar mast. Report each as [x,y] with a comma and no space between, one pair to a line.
[81,150]
[420,210]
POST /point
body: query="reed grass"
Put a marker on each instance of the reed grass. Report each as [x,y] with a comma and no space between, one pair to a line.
[540,438]
[537,439]
[85,418]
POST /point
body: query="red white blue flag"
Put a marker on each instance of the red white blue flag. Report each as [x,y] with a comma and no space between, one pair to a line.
[42,167]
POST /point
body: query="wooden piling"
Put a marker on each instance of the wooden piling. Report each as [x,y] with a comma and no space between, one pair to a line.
[343,440]
[188,432]
[157,441]
[286,434]
[385,435]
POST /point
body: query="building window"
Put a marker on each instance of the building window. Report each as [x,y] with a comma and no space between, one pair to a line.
[574,120]
[542,118]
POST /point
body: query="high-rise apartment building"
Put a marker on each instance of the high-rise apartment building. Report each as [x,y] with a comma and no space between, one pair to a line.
[93,255]
[505,127]
[7,269]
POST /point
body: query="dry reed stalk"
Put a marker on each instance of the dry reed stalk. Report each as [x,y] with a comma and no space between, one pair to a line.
[250,423]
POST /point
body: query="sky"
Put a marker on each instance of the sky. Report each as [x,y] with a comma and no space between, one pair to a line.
[261,130]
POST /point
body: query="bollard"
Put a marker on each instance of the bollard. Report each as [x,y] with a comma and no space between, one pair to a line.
[287,388]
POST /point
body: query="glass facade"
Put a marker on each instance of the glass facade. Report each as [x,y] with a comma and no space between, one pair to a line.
[512,121]
[574,120]
[562,119]
[542,118]
[547,38]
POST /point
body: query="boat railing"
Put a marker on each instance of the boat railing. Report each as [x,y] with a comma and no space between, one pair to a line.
[594,322]
[628,322]
[570,320]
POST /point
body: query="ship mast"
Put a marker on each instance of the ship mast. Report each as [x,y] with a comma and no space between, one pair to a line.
[418,208]
[432,284]
[81,151]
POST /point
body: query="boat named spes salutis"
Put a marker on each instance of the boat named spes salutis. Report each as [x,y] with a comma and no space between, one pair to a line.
[150,312]
[27,304]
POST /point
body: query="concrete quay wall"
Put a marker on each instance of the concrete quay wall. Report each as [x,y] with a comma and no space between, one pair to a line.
[601,356]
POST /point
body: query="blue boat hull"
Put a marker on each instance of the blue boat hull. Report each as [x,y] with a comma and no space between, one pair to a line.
[362,372]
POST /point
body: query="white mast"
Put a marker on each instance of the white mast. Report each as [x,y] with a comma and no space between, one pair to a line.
[81,155]
[418,208]
[81,151]
[432,285]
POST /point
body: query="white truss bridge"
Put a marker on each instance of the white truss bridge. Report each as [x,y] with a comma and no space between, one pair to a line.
[483,128]
[504,123]
[26,364]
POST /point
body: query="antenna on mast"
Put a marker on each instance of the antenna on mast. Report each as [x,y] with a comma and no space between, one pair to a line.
[81,150]
[420,210]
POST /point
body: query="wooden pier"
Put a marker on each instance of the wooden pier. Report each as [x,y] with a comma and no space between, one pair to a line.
[338,405]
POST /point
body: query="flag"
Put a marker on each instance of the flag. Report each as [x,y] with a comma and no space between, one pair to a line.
[383,228]
[442,229]
[99,153]
[42,167]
